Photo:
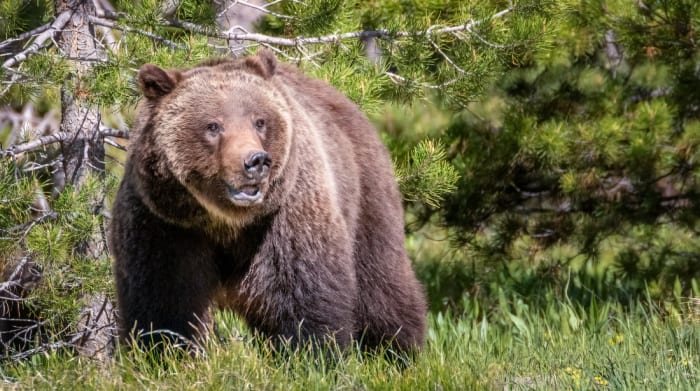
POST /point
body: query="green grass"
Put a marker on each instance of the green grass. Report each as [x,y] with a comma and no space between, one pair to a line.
[524,323]
[636,348]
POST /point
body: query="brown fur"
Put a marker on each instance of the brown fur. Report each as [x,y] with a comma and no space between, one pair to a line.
[320,253]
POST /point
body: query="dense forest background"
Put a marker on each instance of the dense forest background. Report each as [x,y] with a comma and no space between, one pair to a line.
[547,150]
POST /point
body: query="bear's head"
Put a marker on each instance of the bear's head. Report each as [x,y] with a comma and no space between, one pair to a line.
[221,129]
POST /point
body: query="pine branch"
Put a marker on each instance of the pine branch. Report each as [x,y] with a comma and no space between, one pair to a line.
[427,175]
[326,39]
[58,24]
[446,57]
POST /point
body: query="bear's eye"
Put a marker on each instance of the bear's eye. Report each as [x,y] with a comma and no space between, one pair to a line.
[214,127]
[260,124]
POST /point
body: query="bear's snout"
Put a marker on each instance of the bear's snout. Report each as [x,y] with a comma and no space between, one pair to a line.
[247,185]
[257,165]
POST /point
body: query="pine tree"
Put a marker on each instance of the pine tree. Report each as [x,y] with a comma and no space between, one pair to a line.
[585,152]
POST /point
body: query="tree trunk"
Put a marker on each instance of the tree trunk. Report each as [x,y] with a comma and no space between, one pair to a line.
[84,151]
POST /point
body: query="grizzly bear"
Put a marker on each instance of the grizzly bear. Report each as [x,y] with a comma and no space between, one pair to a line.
[256,188]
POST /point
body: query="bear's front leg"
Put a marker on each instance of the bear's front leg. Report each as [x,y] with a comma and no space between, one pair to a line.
[301,288]
[164,275]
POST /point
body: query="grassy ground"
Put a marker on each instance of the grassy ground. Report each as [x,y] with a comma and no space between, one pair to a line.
[632,349]
[581,328]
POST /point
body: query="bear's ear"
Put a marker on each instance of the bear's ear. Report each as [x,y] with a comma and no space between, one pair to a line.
[264,63]
[155,82]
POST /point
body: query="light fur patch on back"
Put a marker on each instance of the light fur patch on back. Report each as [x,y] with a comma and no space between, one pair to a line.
[314,138]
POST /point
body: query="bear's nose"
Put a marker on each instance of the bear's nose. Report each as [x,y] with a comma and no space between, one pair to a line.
[257,163]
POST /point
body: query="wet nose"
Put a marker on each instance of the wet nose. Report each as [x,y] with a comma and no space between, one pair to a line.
[257,163]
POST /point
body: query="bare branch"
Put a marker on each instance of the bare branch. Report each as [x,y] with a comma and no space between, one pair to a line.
[13,79]
[226,8]
[110,24]
[34,166]
[25,35]
[13,279]
[397,79]
[114,144]
[262,8]
[35,144]
[27,123]
[23,333]
[446,57]
[39,349]
[57,24]
[110,132]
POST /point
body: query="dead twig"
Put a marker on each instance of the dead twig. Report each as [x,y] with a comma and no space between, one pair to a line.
[58,24]
[17,149]
[112,25]
[111,132]
[25,35]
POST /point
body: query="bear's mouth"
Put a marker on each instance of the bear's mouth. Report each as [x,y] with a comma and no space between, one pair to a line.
[244,195]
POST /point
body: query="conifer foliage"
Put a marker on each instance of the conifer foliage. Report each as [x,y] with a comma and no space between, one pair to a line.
[587,151]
